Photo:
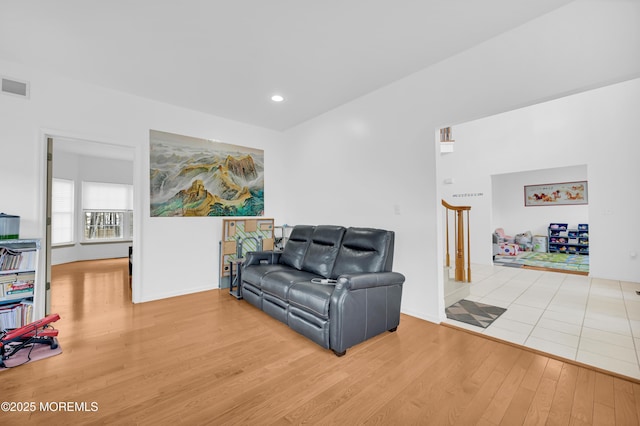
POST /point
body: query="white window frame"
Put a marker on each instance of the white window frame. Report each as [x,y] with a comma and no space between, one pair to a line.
[104,197]
[67,212]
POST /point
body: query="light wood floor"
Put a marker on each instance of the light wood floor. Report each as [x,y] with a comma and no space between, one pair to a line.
[210,359]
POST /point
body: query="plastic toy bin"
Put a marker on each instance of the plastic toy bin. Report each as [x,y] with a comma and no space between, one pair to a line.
[9,227]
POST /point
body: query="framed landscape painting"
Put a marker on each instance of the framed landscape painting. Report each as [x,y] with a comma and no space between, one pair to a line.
[556,194]
[200,177]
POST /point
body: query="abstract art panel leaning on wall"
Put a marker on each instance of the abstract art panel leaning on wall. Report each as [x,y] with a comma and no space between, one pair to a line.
[199,177]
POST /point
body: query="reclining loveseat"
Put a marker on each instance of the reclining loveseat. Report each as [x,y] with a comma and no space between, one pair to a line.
[331,284]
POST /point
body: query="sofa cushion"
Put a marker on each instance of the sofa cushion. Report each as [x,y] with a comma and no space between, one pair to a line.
[296,246]
[311,297]
[278,283]
[364,250]
[323,249]
[253,273]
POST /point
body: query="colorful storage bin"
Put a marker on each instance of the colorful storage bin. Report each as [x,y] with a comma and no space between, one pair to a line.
[507,249]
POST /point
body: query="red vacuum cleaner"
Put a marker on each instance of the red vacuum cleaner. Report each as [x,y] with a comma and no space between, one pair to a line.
[15,340]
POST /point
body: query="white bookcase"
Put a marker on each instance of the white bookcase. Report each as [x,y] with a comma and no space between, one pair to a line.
[21,299]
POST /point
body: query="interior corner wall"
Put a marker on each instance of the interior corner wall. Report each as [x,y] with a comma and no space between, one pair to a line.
[589,136]
[172,256]
[374,161]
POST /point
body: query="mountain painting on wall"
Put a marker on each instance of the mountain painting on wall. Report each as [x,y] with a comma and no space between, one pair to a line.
[199,177]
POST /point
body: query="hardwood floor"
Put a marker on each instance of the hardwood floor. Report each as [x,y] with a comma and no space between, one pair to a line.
[207,358]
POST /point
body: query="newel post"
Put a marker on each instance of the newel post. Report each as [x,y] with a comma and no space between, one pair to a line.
[460,246]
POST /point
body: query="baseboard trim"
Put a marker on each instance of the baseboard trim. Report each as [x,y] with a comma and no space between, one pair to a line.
[564,271]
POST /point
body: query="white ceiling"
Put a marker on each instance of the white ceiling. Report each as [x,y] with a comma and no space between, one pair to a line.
[228,57]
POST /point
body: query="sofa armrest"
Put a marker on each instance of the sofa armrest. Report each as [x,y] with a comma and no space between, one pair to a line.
[262,258]
[369,280]
[362,306]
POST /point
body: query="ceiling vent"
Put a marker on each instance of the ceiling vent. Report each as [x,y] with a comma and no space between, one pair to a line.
[11,86]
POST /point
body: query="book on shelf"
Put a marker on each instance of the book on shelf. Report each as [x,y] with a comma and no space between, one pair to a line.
[9,315]
[8,278]
[16,285]
[16,259]
[13,291]
[27,311]
[16,315]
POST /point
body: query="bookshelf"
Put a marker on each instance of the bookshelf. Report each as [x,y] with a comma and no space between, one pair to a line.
[18,281]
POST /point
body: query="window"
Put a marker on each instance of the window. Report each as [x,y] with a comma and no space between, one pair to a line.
[107,210]
[62,211]
[103,225]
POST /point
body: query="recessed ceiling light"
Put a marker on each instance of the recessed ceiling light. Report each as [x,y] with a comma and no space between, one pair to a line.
[277,98]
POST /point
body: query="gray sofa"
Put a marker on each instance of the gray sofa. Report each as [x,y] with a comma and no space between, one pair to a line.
[331,284]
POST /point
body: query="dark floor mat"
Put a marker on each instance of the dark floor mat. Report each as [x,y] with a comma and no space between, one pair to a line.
[474,313]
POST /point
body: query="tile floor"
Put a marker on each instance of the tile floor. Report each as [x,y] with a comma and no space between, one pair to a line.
[590,320]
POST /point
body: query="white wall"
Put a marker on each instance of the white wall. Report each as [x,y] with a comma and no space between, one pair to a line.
[79,168]
[597,129]
[373,161]
[173,255]
[510,213]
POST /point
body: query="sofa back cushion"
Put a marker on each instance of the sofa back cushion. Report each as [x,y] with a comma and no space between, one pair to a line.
[323,249]
[364,250]
[296,246]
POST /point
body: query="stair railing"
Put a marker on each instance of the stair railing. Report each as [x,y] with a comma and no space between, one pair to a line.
[461,273]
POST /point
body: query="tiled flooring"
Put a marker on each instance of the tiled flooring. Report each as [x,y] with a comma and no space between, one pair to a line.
[589,320]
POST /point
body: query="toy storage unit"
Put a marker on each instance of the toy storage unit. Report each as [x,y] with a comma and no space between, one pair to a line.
[563,239]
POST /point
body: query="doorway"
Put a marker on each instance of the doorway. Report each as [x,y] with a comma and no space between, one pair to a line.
[79,162]
[528,239]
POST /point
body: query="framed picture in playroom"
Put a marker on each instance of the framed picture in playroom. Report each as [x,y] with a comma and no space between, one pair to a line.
[556,194]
